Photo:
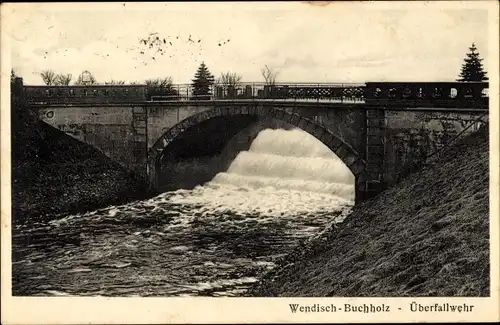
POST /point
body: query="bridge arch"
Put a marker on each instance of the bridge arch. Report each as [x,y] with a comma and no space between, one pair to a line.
[351,158]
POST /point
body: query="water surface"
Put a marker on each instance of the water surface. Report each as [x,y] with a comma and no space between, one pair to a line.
[213,240]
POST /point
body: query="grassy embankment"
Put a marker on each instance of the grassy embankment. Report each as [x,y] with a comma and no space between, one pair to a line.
[52,174]
[427,236]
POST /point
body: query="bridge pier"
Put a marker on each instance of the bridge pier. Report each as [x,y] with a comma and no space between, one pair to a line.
[374,152]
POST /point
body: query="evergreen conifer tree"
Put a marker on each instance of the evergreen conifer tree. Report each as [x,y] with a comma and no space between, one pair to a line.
[472,69]
[202,82]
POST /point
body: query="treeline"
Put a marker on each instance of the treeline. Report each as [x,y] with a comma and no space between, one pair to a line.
[51,78]
[202,83]
[154,86]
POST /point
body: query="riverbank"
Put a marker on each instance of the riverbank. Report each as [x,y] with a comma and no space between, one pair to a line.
[55,174]
[427,236]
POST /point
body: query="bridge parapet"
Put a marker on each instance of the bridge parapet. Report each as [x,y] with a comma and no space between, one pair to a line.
[430,94]
[91,94]
[385,94]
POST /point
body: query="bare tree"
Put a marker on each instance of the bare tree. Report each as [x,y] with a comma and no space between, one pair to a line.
[229,79]
[159,82]
[86,78]
[63,79]
[49,77]
[160,87]
[228,82]
[269,75]
[114,82]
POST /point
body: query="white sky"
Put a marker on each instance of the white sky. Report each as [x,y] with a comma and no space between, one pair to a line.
[335,43]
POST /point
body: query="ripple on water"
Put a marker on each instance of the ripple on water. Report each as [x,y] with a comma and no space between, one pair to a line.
[213,240]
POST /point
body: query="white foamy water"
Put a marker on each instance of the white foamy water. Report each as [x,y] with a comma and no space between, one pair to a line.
[284,172]
[291,143]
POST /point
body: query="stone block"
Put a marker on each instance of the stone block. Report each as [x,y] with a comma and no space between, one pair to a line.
[374,139]
[225,110]
[375,150]
[310,127]
[266,110]
[218,111]
[141,131]
[211,113]
[374,170]
[205,115]
[261,111]
[287,117]
[335,143]
[252,110]
[139,124]
[358,167]
[141,138]
[138,109]
[303,123]
[350,159]
[319,131]
[342,152]
[139,117]
[375,122]
[375,132]
[174,132]
[326,137]
[294,119]
[279,114]
[236,110]
[187,123]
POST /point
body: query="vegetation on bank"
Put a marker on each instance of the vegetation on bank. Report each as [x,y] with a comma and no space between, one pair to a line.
[427,236]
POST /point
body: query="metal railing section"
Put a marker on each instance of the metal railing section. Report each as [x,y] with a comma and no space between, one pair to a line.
[255,91]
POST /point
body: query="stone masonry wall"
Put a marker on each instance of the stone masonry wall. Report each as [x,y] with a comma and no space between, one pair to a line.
[412,136]
[111,129]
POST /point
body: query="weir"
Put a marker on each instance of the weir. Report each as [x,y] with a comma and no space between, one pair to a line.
[291,160]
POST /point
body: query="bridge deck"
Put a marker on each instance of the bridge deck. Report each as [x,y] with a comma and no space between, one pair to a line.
[400,106]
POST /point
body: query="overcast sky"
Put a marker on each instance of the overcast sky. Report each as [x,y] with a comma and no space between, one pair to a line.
[335,43]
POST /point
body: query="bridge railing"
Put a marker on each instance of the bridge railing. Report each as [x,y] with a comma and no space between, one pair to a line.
[253,91]
[435,94]
[405,94]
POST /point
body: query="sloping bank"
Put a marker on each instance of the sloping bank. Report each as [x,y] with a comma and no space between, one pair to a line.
[54,174]
[427,236]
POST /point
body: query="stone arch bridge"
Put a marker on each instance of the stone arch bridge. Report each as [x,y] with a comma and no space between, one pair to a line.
[376,130]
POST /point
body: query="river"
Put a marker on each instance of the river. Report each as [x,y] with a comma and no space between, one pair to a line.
[213,240]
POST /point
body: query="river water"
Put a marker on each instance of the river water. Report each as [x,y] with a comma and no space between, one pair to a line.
[213,240]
